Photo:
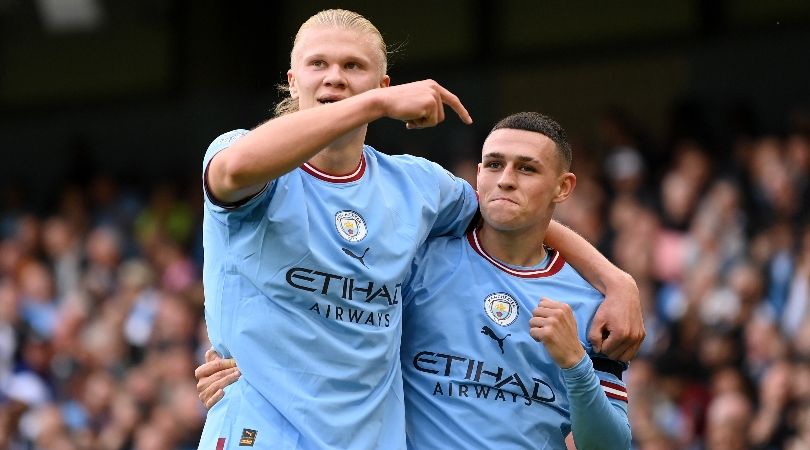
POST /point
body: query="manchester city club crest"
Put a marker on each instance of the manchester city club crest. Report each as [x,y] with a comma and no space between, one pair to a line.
[350,225]
[501,308]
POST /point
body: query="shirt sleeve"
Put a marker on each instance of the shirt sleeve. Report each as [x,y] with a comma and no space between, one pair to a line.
[458,203]
[413,279]
[221,143]
[598,408]
[448,203]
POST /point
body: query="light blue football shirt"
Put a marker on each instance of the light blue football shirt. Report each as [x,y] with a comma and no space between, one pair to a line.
[303,287]
[474,377]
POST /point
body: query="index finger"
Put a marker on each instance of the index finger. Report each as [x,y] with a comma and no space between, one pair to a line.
[616,348]
[628,353]
[212,367]
[451,100]
[550,303]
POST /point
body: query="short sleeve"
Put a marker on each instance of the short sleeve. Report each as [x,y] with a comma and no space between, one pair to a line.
[458,203]
[221,143]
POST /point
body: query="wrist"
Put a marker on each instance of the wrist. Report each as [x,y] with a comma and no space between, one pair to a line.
[573,359]
[618,280]
[374,101]
[582,368]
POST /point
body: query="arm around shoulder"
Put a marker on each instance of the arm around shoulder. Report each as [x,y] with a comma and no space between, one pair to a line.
[618,328]
[284,143]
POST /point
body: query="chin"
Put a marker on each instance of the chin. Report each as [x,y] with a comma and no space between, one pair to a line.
[503,224]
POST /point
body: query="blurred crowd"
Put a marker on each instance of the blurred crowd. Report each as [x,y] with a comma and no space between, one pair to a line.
[717,235]
[101,319]
[101,303]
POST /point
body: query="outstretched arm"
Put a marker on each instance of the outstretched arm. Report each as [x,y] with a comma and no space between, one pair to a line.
[617,329]
[284,143]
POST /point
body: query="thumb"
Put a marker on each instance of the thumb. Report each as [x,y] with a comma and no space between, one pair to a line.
[211,355]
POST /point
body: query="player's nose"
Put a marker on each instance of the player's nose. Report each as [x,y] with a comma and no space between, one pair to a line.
[334,76]
[507,178]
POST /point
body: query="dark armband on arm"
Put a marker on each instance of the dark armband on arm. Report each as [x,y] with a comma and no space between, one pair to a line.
[611,366]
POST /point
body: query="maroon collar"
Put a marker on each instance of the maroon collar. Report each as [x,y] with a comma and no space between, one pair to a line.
[555,261]
[355,175]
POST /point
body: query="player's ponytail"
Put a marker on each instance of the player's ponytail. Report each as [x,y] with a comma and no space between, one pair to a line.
[287,105]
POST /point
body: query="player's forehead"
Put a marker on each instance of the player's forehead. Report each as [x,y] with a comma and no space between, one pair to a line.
[515,143]
[334,41]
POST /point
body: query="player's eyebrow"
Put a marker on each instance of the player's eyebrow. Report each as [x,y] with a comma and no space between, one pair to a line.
[499,155]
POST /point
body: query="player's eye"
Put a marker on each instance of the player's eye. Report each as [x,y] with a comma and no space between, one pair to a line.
[352,65]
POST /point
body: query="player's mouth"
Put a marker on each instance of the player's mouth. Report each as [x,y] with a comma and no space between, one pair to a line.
[503,199]
[329,99]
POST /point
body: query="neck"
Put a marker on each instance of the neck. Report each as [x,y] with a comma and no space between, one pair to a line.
[516,247]
[341,155]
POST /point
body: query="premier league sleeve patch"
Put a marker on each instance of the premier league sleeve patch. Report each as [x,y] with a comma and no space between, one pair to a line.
[225,140]
[501,308]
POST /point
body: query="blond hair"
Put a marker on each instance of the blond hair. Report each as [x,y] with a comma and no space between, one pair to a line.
[337,18]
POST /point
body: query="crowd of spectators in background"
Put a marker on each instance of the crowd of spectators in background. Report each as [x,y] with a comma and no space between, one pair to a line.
[718,240]
[101,320]
[101,304]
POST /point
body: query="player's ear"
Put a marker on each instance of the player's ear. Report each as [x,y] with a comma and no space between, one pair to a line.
[291,83]
[385,81]
[565,186]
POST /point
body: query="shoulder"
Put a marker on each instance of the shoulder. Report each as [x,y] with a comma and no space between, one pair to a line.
[435,261]
[444,251]
[440,243]
[222,142]
[413,166]
[229,137]
[571,278]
